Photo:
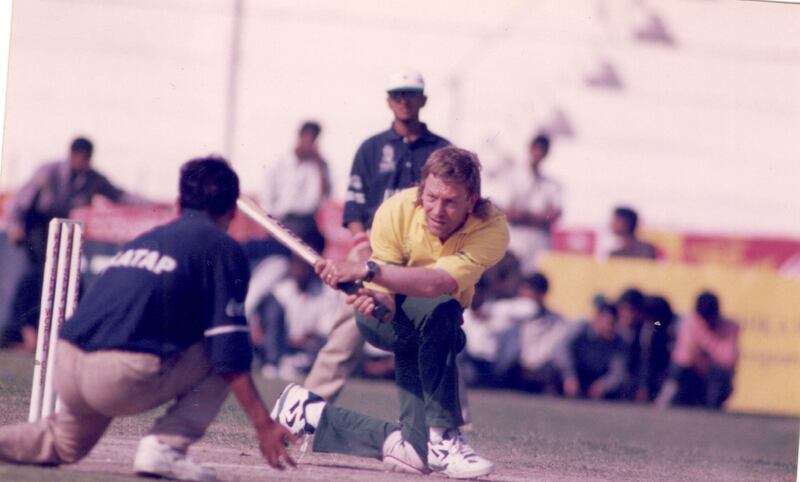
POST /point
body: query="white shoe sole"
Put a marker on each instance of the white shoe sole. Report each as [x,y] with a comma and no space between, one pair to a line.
[472,474]
[164,471]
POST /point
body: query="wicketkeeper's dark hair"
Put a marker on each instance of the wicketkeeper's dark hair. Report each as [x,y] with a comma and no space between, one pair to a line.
[208,184]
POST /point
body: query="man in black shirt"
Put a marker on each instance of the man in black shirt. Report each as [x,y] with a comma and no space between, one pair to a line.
[163,322]
[391,160]
[384,164]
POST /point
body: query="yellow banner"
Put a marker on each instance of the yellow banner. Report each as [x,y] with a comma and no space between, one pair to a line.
[766,306]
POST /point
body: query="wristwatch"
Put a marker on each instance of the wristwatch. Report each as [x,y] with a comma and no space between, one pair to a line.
[372,271]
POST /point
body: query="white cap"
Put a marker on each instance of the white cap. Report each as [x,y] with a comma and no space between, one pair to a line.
[405,80]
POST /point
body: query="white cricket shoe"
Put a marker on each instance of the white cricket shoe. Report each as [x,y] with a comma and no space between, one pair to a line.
[400,456]
[157,459]
[290,409]
[452,456]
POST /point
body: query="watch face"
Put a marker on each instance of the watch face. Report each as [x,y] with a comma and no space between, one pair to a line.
[372,270]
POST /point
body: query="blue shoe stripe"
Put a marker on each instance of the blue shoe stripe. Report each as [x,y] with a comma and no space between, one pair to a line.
[282,401]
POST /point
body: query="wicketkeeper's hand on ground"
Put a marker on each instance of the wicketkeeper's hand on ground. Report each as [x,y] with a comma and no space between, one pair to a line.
[273,441]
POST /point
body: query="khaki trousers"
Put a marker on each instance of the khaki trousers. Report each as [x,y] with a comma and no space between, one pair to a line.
[338,357]
[342,350]
[95,387]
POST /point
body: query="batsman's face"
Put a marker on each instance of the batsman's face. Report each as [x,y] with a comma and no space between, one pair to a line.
[406,105]
[446,206]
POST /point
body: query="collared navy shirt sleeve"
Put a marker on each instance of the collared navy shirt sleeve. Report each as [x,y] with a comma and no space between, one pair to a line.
[226,276]
[355,206]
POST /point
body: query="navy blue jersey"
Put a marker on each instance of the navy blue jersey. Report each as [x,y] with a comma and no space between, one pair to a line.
[384,164]
[168,289]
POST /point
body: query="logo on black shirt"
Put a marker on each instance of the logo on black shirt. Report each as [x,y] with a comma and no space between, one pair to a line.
[148,259]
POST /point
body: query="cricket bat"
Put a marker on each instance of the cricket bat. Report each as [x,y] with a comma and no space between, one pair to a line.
[296,245]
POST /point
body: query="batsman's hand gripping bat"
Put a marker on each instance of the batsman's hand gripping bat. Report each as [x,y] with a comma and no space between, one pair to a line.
[297,246]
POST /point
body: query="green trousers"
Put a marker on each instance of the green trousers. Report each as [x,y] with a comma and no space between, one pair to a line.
[425,337]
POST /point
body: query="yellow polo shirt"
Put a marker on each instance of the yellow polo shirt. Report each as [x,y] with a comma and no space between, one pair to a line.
[400,237]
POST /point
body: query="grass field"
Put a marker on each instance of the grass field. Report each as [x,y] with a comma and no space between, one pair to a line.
[529,438]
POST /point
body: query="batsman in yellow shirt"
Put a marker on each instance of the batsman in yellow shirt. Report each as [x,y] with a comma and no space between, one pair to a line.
[431,244]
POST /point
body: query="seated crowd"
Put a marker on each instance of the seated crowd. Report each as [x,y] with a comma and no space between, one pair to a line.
[632,348]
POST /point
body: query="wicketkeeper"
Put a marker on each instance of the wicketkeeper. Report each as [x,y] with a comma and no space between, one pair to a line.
[164,322]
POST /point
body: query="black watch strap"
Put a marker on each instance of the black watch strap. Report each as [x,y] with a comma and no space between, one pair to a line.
[372,271]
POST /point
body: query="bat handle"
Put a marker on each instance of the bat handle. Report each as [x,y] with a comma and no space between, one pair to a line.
[349,287]
[380,312]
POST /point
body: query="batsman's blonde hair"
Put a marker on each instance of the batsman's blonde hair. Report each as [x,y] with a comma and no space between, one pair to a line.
[452,164]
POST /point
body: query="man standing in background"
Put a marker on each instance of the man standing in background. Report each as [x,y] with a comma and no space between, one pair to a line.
[384,164]
[534,209]
[624,224]
[54,190]
[299,182]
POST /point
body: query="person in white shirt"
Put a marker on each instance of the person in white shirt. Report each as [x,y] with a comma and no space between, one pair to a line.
[541,338]
[290,315]
[492,329]
[534,208]
[299,182]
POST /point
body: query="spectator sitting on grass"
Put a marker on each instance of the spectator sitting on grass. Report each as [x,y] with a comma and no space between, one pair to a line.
[645,326]
[630,321]
[593,364]
[704,359]
[488,322]
[657,339]
[540,339]
[623,225]
[492,329]
[291,320]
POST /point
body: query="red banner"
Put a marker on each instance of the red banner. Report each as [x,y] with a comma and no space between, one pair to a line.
[114,223]
[574,241]
[772,253]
